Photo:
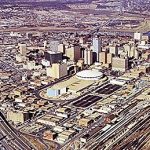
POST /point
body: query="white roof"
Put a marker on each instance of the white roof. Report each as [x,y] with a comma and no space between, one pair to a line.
[54,52]
[89,74]
[147,46]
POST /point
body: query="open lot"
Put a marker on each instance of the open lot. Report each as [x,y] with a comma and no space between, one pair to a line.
[87,101]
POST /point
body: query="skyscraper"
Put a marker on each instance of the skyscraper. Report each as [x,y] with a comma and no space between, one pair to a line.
[58,70]
[103,57]
[97,47]
[22,49]
[120,64]
[88,57]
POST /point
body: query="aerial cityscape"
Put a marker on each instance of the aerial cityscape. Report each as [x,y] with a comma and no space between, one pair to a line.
[74,74]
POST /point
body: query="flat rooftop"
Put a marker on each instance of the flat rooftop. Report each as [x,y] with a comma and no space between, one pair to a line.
[74,84]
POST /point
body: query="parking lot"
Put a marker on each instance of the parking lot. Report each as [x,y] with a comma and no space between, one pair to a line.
[87,101]
[108,89]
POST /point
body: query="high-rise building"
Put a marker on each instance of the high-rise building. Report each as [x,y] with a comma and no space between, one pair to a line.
[73,52]
[136,54]
[22,49]
[83,40]
[88,57]
[97,47]
[131,50]
[127,48]
[109,58]
[45,44]
[103,57]
[61,48]
[53,46]
[119,64]
[137,36]
[58,70]
[53,57]
[146,38]
[113,49]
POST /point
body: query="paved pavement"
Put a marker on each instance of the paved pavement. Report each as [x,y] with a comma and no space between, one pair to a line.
[17,141]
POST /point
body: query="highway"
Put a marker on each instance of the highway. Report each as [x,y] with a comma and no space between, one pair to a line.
[15,138]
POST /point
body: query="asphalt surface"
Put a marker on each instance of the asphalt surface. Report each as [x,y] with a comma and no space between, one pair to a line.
[16,141]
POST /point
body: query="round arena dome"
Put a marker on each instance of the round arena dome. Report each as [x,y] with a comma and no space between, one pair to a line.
[89,75]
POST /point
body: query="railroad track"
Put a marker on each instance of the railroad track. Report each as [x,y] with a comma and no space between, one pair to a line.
[134,135]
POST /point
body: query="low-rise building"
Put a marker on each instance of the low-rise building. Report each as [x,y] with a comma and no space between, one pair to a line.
[85,122]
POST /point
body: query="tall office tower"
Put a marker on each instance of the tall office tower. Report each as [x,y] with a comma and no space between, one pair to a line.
[57,70]
[146,38]
[45,44]
[22,49]
[109,58]
[132,51]
[137,36]
[113,49]
[88,57]
[119,64]
[136,54]
[103,57]
[61,48]
[53,57]
[83,40]
[97,42]
[73,52]
[127,48]
[54,46]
